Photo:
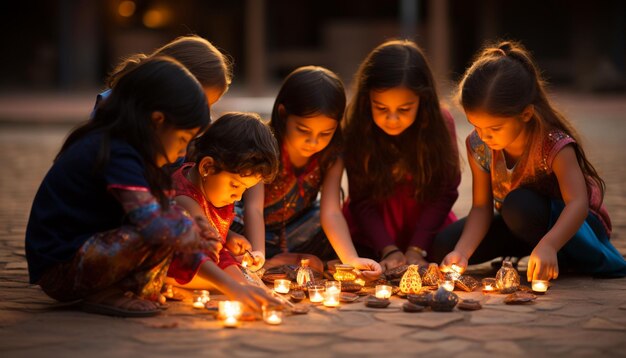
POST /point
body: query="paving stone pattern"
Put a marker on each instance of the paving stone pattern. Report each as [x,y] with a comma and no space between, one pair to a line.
[579,315]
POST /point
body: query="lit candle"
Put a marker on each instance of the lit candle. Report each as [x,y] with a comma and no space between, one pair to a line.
[331,299]
[200,298]
[448,285]
[540,286]
[360,281]
[383,291]
[229,311]
[333,286]
[316,293]
[282,286]
[272,316]
[489,284]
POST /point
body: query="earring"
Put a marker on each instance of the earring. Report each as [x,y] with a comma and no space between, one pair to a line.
[205,175]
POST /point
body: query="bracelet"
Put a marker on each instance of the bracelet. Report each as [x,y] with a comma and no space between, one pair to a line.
[389,254]
[419,250]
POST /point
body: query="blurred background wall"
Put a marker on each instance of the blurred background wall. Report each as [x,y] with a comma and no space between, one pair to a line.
[72,44]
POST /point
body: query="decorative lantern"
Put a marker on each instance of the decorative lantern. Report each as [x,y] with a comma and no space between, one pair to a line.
[344,273]
[444,301]
[411,281]
[432,276]
[507,278]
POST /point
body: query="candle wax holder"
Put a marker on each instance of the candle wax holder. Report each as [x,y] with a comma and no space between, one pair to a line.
[229,312]
[272,315]
[383,291]
[333,286]
[282,286]
[316,293]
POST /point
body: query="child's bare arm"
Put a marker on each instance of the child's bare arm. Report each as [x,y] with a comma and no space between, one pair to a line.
[253,217]
[543,262]
[478,220]
[334,223]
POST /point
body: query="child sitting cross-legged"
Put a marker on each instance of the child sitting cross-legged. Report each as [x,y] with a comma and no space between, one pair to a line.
[237,152]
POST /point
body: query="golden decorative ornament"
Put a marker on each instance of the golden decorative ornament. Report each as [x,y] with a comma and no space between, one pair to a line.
[411,281]
[344,273]
[432,276]
[507,278]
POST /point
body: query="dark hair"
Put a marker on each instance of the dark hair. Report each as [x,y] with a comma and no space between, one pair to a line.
[503,80]
[240,143]
[310,91]
[211,67]
[424,150]
[157,84]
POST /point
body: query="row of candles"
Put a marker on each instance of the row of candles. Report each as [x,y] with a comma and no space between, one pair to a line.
[327,294]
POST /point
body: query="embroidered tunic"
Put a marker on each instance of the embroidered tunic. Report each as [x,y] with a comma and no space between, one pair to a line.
[533,171]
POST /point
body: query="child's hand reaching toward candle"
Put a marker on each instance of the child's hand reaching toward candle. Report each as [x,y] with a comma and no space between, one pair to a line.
[454,258]
[543,264]
[237,244]
[367,268]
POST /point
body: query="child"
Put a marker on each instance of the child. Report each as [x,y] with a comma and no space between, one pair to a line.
[283,216]
[526,160]
[237,152]
[401,158]
[212,68]
[102,227]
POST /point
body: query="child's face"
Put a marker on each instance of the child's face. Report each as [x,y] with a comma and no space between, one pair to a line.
[498,132]
[305,136]
[225,187]
[394,109]
[174,143]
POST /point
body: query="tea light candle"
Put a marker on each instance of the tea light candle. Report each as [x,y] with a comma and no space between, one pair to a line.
[272,316]
[448,285]
[489,285]
[333,286]
[383,291]
[282,286]
[230,311]
[540,286]
[331,299]
[200,298]
[316,293]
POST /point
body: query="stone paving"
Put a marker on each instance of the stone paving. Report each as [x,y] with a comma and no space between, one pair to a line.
[579,315]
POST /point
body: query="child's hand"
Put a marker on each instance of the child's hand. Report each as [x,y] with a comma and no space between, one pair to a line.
[454,258]
[258,260]
[253,297]
[392,261]
[370,269]
[543,264]
[237,244]
[414,258]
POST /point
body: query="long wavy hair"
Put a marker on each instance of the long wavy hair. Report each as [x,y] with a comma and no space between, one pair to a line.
[424,151]
[211,67]
[240,143]
[156,84]
[310,91]
[503,81]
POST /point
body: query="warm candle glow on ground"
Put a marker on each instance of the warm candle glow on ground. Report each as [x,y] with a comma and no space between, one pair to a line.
[489,285]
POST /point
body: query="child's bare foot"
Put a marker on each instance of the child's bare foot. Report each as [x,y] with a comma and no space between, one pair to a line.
[115,302]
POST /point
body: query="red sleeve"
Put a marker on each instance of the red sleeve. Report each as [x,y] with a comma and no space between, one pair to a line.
[437,211]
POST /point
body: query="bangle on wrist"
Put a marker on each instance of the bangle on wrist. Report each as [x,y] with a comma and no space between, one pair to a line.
[419,250]
[389,253]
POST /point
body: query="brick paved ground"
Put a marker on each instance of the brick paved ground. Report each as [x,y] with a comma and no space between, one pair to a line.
[580,316]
